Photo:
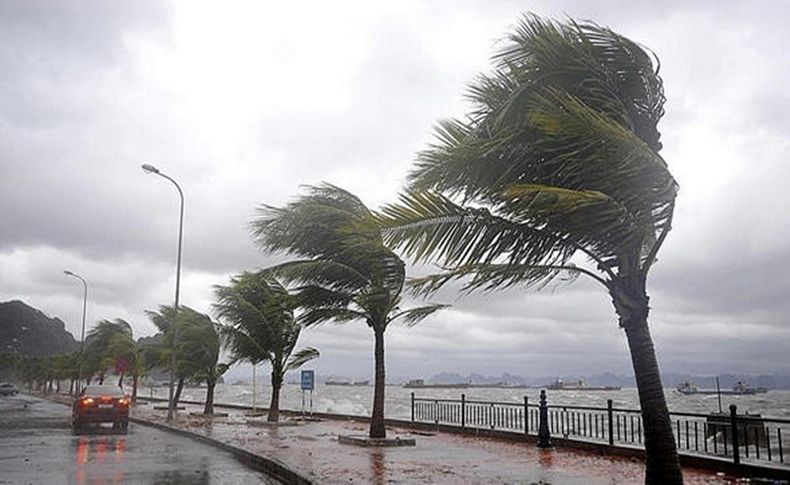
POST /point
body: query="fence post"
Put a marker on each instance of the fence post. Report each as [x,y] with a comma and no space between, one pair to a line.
[736,452]
[412,407]
[544,436]
[610,414]
[526,417]
[463,410]
[491,415]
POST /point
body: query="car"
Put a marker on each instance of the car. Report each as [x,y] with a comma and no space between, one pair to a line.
[101,404]
[8,389]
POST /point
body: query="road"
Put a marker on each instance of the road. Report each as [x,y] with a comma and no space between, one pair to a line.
[37,446]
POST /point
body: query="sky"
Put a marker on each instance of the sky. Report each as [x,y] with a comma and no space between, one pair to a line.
[244,102]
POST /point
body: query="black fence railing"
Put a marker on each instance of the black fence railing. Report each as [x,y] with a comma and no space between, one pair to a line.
[733,436]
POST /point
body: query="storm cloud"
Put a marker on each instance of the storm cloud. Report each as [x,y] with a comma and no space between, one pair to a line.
[244,102]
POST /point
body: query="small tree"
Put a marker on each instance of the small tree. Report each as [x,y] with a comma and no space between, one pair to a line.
[261,327]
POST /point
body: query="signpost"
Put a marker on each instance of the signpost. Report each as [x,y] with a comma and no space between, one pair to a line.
[308,384]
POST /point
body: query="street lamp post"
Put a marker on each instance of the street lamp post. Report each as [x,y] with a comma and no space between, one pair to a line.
[171,401]
[82,335]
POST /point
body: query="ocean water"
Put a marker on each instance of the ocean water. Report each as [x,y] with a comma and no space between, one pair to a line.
[358,400]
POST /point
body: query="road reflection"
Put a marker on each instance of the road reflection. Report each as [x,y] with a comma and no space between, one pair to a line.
[99,449]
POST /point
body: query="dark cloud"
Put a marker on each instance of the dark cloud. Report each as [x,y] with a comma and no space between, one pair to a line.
[243,107]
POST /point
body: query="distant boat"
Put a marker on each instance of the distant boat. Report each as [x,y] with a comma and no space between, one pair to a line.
[493,385]
[740,389]
[331,382]
[337,383]
[420,384]
[579,385]
[689,388]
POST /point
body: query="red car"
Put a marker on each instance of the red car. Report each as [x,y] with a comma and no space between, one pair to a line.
[101,404]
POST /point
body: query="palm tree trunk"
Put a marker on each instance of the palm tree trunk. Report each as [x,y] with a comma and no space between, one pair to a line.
[120,381]
[274,405]
[662,466]
[377,429]
[662,458]
[101,378]
[135,378]
[179,388]
[208,408]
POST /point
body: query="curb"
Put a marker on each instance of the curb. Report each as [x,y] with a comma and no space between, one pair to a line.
[269,466]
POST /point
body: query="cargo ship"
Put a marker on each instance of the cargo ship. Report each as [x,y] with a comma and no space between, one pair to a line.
[740,389]
[579,385]
[420,384]
[331,382]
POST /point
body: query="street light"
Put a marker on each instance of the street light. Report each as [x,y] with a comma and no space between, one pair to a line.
[171,401]
[82,336]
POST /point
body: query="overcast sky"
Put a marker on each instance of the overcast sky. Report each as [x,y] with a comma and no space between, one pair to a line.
[242,102]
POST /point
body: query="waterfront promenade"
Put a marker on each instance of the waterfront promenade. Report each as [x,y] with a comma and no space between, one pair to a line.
[311,449]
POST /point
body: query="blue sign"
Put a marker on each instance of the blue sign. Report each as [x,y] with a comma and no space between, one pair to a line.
[308,380]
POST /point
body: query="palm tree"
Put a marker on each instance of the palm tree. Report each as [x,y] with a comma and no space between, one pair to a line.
[99,353]
[63,367]
[555,173]
[345,272]
[186,367]
[199,340]
[261,327]
[128,359]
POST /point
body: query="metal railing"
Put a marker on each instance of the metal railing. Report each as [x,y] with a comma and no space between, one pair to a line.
[733,436]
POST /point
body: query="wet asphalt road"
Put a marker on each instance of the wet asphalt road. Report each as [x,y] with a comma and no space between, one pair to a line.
[37,446]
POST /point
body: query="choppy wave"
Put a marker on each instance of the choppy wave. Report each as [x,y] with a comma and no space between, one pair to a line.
[358,400]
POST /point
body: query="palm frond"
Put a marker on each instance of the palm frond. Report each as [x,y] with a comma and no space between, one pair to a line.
[321,272]
[301,357]
[569,113]
[491,277]
[316,296]
[345,271]
[243,346]
[413,316]
[319,315]
[427,225]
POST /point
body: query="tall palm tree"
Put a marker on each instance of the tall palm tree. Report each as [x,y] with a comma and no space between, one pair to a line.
[261,327]
[344,272]
[555,173]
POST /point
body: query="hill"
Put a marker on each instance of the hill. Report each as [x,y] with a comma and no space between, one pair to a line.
[27,330]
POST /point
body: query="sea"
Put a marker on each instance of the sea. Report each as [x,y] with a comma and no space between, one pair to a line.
[358,400]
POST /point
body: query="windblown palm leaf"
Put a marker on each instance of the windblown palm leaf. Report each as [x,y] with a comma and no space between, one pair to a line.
[300,358]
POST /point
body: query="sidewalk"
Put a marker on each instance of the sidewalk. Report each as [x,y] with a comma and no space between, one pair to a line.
[312,450]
